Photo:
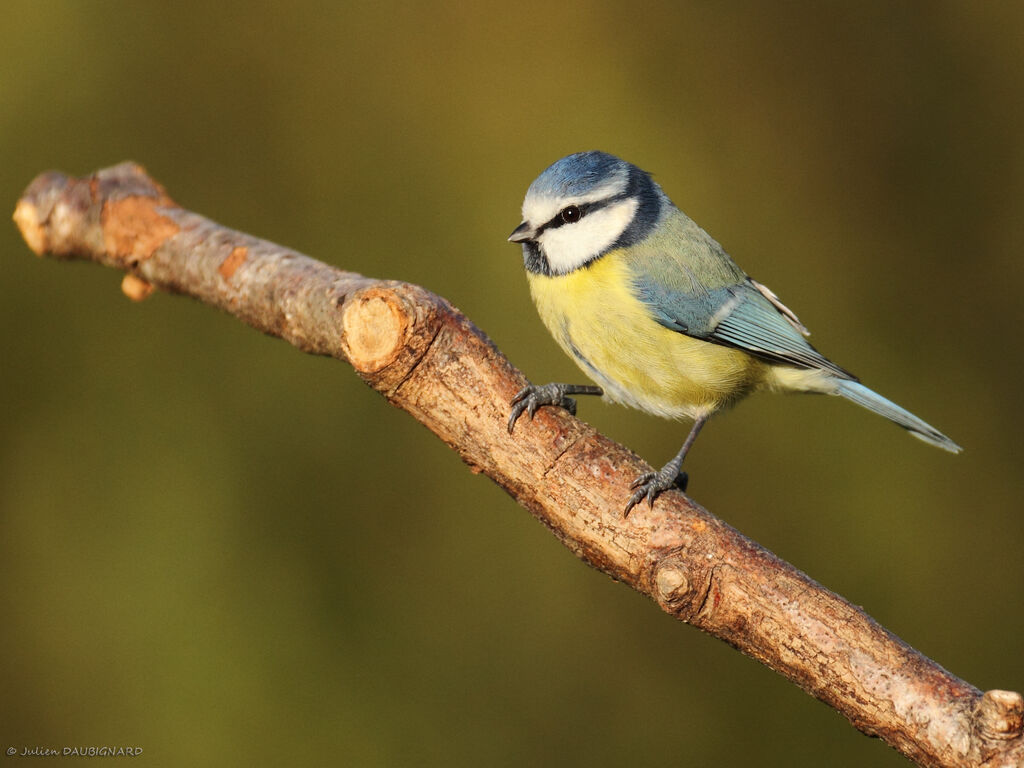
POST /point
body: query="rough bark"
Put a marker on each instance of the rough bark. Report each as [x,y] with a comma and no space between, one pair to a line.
[427,358]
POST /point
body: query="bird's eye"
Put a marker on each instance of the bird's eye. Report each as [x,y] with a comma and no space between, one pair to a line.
[571,213]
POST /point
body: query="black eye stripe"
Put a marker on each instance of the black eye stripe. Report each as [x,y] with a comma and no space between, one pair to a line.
[584,208]
[559,219]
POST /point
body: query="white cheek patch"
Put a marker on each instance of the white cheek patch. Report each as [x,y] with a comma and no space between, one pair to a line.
[570,246]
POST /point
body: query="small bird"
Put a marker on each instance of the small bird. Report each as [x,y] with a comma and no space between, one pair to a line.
[657,313]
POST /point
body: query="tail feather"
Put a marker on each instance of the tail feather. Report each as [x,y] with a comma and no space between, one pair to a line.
[861,395]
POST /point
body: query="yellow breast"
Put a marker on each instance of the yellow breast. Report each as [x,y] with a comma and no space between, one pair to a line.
[597,320]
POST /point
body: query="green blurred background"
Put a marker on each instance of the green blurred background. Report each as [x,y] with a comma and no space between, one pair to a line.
[226,552]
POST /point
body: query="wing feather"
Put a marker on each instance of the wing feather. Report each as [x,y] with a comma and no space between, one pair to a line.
[757,326]
[742,316]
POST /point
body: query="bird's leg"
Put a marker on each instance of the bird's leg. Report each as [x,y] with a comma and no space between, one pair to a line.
[533,396]
[669,476]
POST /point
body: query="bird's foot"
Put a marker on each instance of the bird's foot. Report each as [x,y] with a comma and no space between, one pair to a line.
[652,484]
[533,396]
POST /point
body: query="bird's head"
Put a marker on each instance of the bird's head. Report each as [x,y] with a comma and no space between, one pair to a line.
[583,206]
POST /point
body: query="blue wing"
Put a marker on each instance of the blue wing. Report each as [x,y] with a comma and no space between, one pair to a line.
[745,315]
[757,325]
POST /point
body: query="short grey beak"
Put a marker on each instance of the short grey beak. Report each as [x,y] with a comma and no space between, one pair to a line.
[521,234]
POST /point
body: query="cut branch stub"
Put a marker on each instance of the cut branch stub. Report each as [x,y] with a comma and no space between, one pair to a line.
[375,328]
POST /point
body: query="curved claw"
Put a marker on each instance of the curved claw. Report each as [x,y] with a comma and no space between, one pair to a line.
[533,396]
[641,485]
[651,485]
[524,401]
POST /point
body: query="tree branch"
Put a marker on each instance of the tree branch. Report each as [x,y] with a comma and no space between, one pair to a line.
[427,358]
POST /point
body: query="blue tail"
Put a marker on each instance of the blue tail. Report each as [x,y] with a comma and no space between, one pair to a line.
[861,395]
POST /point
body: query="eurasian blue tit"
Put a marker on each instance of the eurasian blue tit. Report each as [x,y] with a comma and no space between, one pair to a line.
[657,313]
